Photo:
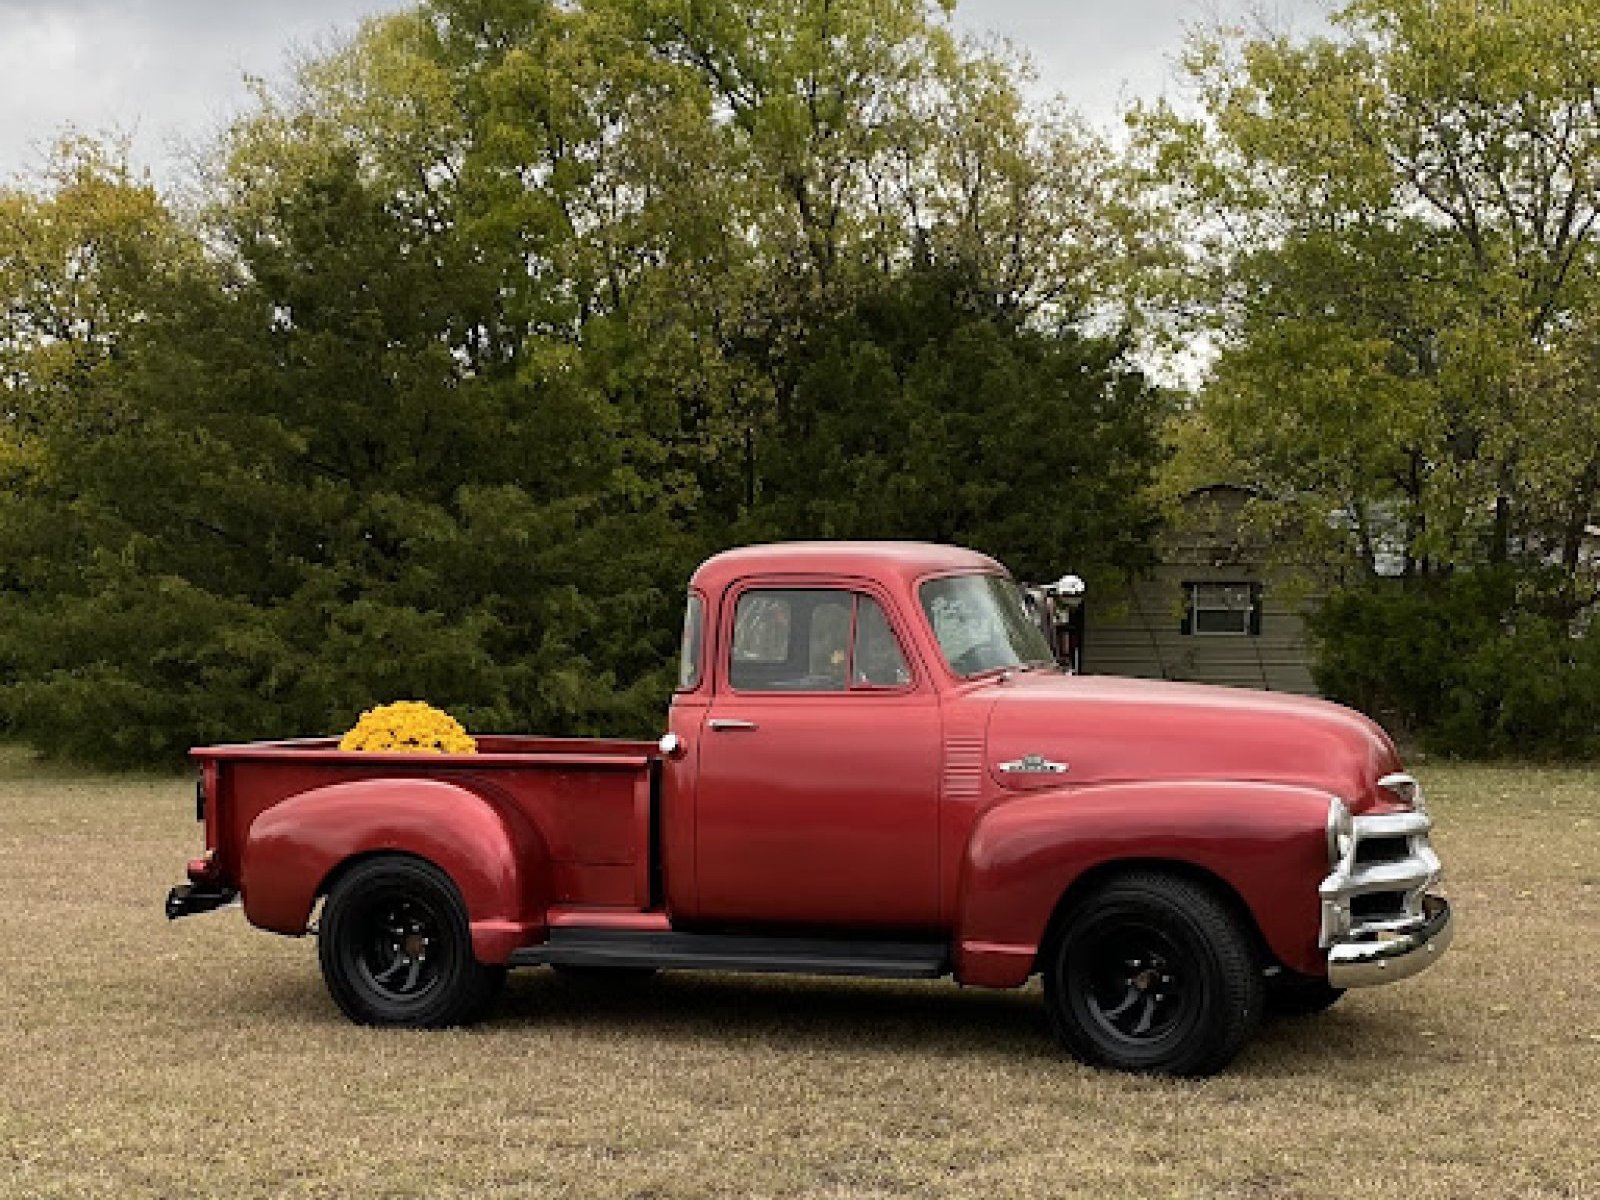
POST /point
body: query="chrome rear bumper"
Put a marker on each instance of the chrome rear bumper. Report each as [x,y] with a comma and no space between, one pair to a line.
[189,898]
[1385,956]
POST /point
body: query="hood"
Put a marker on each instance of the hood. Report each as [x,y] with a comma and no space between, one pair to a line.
[1119,730]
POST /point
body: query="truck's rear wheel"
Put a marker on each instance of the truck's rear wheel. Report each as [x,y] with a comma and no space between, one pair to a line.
[1153,973]
[396,950]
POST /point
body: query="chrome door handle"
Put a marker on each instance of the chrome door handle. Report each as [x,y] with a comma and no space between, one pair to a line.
[726,725]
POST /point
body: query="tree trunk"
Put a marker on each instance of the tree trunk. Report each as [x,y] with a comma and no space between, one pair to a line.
[1578,519]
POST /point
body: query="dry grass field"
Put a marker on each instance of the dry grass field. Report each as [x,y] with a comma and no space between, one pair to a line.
[139,1058]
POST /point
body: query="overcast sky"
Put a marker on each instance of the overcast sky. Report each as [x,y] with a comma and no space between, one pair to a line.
[169,72]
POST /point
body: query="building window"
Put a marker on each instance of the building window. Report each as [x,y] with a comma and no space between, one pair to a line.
[1222,609]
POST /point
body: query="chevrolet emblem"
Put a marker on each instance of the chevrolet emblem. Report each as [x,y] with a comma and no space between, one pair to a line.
[1033,764]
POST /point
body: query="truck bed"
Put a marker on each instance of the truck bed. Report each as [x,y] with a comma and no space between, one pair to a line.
[591,801]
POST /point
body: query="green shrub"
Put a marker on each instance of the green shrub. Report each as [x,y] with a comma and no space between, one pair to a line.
[1473,665]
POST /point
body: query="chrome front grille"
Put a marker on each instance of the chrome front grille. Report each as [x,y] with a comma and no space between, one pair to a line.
[1378,881]
[1382,849]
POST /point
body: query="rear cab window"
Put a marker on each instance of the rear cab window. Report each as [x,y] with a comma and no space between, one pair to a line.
[694,625]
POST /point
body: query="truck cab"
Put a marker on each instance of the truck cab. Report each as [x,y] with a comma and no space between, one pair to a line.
[872,766]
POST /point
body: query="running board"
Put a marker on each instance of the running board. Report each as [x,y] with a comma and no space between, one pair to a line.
[578,947]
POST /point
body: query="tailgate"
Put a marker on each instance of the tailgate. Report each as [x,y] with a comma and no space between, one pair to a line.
[212,880]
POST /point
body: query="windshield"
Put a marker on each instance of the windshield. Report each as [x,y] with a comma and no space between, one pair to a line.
[981,624]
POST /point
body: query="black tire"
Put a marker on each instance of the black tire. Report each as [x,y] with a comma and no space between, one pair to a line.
[1153,974]
[396,950]
[1294,995]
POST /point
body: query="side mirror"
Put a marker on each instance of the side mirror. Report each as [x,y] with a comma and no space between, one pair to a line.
[1068,587]
[1063,626]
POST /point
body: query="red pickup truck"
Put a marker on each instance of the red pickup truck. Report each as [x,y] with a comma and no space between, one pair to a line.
[872,768]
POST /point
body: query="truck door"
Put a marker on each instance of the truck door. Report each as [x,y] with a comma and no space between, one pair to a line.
[817,801]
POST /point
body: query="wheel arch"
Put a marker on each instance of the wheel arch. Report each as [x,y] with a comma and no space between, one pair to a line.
[299,849]
[344,866]
[1261,848]
[1104,873]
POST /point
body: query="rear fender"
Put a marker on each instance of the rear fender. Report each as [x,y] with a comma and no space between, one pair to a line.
[496,860]
[1265,842]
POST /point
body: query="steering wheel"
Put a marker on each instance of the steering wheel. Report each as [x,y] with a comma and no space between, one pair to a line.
[865,676]
[979,657]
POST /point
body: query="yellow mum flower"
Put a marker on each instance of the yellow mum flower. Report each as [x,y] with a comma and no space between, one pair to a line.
[408,727]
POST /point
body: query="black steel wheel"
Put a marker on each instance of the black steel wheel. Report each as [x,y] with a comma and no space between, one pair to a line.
[1153,973]
[1293,995]
[395,947]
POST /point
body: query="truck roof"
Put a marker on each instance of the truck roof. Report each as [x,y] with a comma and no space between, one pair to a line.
[905,561]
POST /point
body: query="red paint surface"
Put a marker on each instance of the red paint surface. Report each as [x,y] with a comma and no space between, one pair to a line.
[879,811]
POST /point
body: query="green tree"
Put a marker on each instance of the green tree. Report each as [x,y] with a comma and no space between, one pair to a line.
[1394,231]
[502,314]
[875,160]
[927,411]
[90,260]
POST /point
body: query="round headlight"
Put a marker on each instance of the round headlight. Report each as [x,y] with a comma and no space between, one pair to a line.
[1341,830]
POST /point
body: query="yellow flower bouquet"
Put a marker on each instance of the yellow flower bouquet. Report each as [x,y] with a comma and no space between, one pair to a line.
[408,727]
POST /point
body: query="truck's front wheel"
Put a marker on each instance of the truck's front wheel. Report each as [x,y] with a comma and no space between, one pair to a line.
[396,950]
[1153,973]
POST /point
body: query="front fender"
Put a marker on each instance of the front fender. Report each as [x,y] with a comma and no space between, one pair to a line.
[496,862]
[1267,842]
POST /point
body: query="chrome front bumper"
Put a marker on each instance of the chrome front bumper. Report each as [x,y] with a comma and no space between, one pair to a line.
[1383,957]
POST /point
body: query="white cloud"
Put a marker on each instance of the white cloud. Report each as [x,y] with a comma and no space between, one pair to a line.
[47,40]
[171,71]
[1100,56]
[163,72]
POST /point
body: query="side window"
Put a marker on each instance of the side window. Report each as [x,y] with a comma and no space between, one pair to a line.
[790,640]
[693,637]
[879,661]
[798,640]
[761,627]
